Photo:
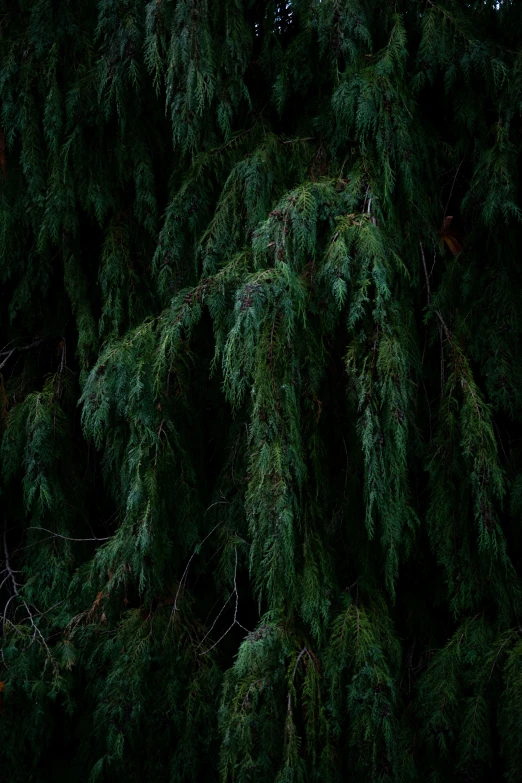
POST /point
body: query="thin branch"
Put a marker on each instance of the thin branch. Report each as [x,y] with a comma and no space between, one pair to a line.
[67,538]
[216,619]
[34,344]
[303,651]
[235,621]
[452,186]
[8,567]
[295,141]
[7,358]
[36,630]
[185,572]
[428,290]
[62,366]
[41,614]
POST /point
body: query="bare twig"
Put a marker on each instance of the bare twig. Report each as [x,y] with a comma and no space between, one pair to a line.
[235,621]
[195,552]
[428,290]
[62,365]
[295,141]
[67,538]
[15,585]
[452,186]
[442,326]
[447,331]
[9,353]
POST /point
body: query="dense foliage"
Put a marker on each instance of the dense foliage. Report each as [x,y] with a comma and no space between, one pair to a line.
[261,390]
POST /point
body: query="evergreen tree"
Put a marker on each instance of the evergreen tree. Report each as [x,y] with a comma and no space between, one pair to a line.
[261,390]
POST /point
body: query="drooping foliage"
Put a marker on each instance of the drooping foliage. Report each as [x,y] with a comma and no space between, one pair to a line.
[261,390]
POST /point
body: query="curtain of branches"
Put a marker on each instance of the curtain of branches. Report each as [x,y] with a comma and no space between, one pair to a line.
[261,390]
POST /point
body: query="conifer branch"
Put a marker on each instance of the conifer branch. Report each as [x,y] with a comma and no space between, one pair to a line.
[211,217]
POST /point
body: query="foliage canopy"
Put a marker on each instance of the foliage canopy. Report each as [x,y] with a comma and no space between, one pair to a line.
[261,390]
